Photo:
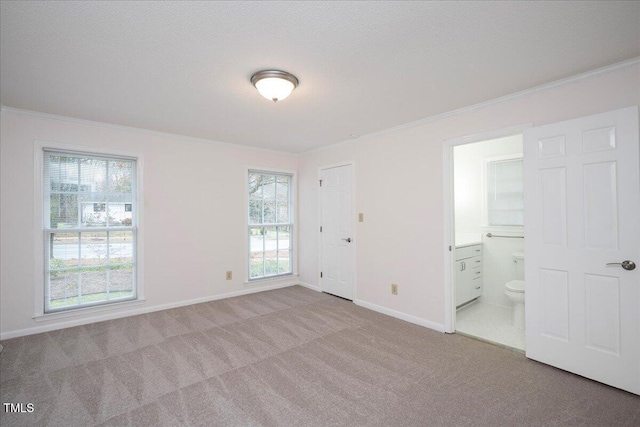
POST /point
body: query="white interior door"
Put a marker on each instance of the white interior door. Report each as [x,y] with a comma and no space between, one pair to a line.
[582,212]
[337,265]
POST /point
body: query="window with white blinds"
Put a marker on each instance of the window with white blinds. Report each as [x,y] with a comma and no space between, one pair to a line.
[505,203]
[270,222]
[89,230]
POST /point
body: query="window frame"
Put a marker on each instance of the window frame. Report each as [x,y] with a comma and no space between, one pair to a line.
[485,190]
[41,264]
[291,224]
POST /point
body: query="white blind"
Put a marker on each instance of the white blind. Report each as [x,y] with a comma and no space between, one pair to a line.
[83,190]
[505,204]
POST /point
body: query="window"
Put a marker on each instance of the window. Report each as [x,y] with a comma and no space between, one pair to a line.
[270,224]
[89,235]
[505,204]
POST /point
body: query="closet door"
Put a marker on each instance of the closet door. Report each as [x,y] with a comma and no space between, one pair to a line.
[337,275]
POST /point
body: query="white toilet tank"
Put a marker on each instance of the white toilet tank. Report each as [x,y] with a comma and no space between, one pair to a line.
[518,259]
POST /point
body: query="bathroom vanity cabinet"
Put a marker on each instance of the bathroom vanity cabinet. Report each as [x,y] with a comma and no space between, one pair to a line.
[468,266]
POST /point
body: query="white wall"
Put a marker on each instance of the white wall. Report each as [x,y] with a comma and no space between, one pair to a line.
[399,189]
[194,212]
[469,182]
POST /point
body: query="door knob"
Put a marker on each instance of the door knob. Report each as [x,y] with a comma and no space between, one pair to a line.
[348,240]
[627,265]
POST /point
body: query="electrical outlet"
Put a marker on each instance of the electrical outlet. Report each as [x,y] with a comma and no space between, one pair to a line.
[361,217]
[394,289]
[229,275]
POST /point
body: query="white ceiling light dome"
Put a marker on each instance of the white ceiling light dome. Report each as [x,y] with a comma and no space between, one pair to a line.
[275,85]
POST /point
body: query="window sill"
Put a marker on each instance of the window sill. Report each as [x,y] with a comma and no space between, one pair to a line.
[84,310]
[276,280]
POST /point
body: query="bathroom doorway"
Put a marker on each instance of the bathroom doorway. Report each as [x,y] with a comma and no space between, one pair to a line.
[581,181]
[486,214]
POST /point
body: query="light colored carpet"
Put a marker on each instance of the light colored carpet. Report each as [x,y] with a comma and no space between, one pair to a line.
[289,357]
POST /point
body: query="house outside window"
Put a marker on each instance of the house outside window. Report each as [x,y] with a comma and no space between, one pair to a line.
[89,235]
[270,224]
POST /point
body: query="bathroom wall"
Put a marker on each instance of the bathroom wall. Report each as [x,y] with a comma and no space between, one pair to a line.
[498,267]
[469,182]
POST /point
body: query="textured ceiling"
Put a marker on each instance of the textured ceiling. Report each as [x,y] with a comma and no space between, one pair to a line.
[184,67]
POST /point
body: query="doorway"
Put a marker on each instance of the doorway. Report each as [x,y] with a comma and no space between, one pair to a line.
[582,245]
[488,239]
[337,237]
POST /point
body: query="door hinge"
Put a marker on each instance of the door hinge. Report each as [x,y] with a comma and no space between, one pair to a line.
[321,229]
[320,183]
[449,248]
[321,274]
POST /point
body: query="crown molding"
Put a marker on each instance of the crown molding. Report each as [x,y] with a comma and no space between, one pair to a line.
[565,81]
[175,136]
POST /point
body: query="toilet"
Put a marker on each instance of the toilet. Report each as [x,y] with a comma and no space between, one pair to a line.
[514,290]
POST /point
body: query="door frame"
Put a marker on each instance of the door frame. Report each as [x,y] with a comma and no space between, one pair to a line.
[353,221]
[449,211]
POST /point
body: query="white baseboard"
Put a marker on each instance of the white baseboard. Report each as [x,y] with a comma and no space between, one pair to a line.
[400,315]
[134,312]
[312,287]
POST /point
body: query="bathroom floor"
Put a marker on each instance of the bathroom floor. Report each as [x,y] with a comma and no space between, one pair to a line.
[490,322]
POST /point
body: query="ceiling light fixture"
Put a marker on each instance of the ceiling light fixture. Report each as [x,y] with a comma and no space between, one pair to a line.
[274,85]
